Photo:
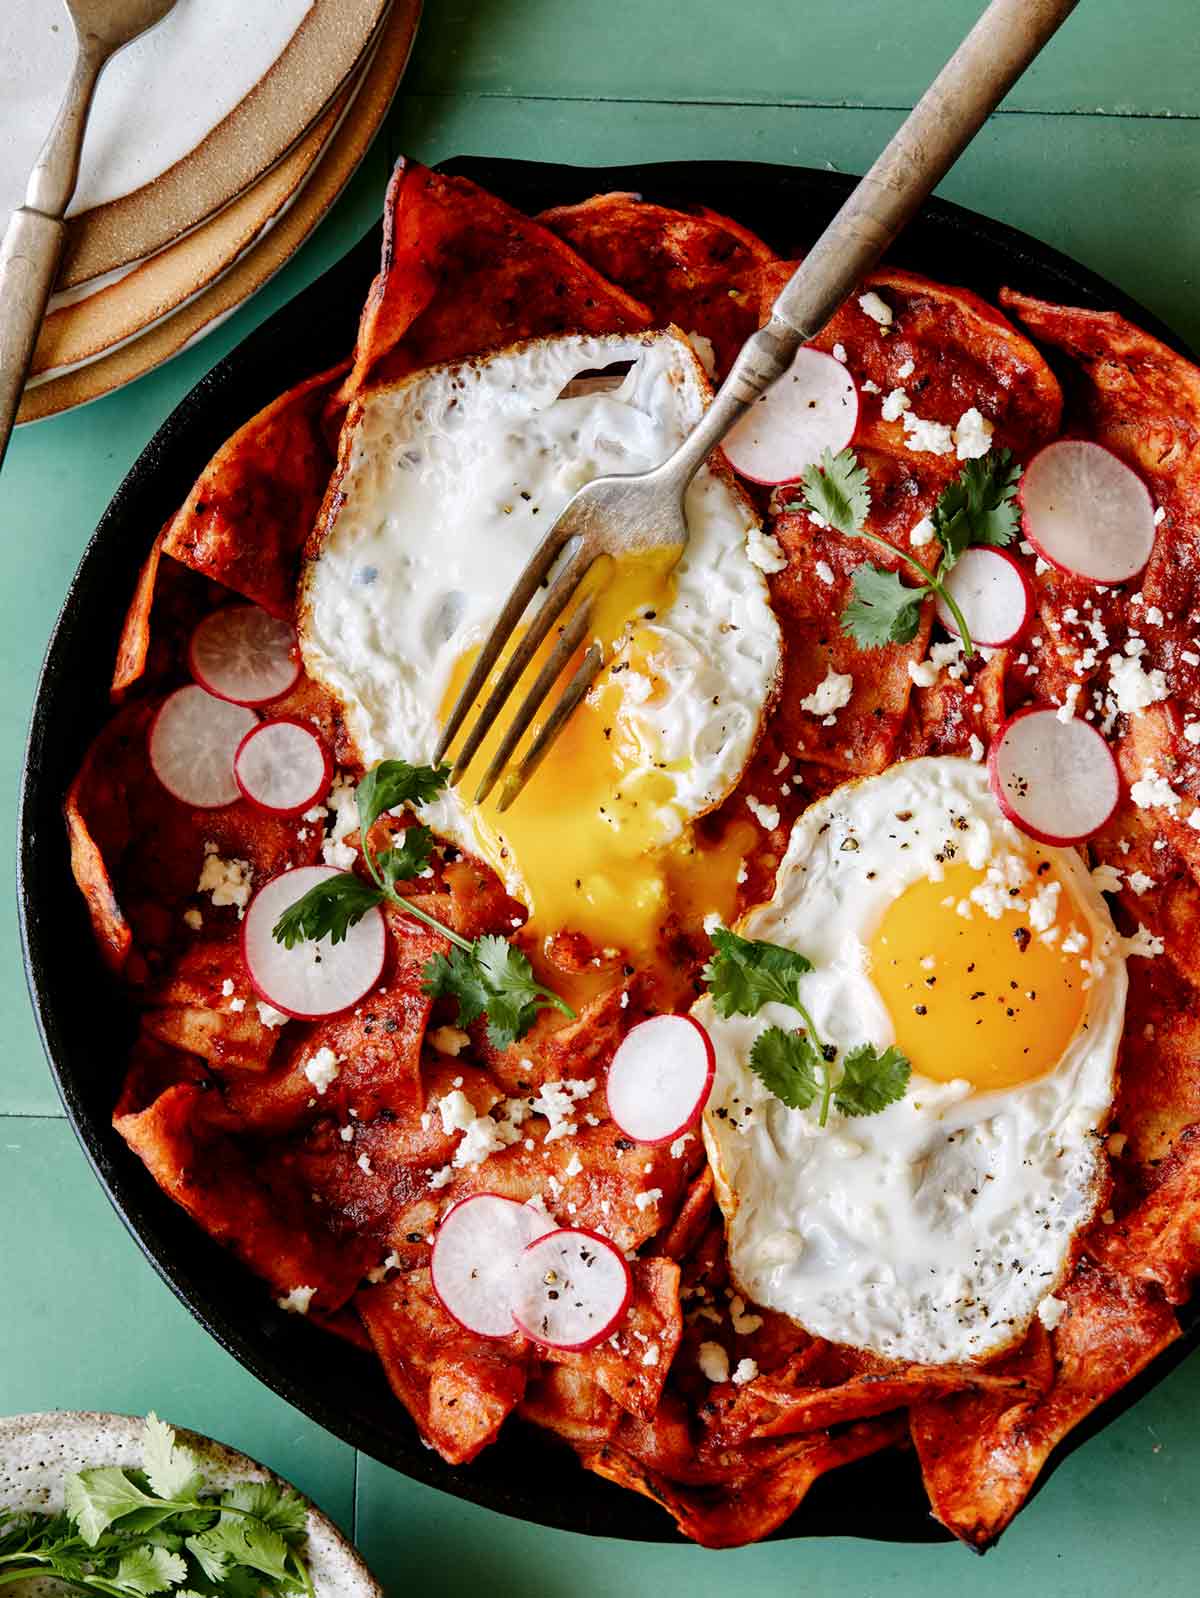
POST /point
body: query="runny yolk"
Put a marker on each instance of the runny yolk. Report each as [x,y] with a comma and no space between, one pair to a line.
[595,841]
[987,999]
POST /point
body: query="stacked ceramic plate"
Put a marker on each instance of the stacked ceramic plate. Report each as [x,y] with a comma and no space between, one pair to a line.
[216,144]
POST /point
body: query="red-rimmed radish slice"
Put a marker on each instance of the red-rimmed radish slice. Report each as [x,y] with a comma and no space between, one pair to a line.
[283,767]
[813,407]
[244,654]
[660,1078]
[1056,780]
[1086,512]
[474,1262]
[310,979]
[193,739]
[993,593]
[571,1289]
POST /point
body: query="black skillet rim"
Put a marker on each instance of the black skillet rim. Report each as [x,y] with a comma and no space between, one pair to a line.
[81,1018]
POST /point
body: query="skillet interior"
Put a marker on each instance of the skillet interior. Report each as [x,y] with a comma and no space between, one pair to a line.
[85,1023]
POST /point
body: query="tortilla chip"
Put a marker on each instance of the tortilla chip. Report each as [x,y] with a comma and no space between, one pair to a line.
[459,1388]
[946,717]
[692,1220]
[632,1365]
[825,1385]
[282,1237]
[245,520]
[1158,1097]
[113,935]
[134,644]
[191,1011]
[463,273]
[981,1453]
[695,269]
[568,1403]
[1159,1241]
[741,1512]
[964,352]
[809,596]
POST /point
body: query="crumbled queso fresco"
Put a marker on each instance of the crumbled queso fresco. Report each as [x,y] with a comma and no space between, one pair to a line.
[227,880]
[829,695]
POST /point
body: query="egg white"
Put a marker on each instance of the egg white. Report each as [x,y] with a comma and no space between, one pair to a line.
[932,1230]
[450,480]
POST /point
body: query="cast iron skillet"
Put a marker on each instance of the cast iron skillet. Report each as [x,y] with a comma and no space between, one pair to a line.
[85,1023]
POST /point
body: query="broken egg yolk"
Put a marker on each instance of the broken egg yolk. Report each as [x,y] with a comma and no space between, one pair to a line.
[595,843]
[982,989]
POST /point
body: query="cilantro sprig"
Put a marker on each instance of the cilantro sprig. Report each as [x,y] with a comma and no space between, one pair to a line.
[978,507]
[797,1067]
[487,975]
[126,1533]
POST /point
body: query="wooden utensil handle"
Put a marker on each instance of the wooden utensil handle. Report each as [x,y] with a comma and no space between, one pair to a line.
[1007,37]
[29,256]
[947,117]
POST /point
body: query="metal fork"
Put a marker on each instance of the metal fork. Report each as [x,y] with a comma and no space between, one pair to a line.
[616,514]
[33,239]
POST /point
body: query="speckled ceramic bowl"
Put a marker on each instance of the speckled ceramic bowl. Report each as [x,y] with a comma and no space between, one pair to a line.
[38,1451]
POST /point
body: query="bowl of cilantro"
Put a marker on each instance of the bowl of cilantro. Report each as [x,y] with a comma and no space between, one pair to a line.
[112,1504]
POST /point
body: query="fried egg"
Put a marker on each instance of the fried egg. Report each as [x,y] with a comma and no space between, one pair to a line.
[450,481]
[932,1230]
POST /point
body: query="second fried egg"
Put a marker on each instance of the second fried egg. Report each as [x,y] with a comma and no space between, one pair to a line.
[933,1230]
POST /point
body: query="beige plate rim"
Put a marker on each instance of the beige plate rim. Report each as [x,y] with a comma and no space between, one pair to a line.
[292,94]
[73,1436]
[93,324]
[164,338]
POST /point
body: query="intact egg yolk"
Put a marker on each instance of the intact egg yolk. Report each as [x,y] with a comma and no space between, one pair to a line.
[594,840]
[981,997]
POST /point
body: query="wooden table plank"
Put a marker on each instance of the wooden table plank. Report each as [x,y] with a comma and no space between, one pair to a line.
[1112,56]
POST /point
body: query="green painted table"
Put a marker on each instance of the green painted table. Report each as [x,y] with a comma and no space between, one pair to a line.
[1096,152]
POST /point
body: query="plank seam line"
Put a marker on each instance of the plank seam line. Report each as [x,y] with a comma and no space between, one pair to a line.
[1097,114]
[30,1115]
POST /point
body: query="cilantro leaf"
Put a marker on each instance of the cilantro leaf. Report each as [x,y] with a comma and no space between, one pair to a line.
[495,978]
[238,1540]
[487,975]
[457,976]
[277,1507]
[871,1080]
[170,1469]
[393,783]
[97,1497]
[149,1570]
[788,1065]
[837,489]
[328,910]
[744,974]
[408,859]
[978,507]
[884,610]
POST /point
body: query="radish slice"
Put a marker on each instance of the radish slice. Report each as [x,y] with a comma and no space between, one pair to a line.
[1056,780]
[993,593]
[1087,512]
[572,1288]
[475,1255]
[813,407]
[193,740]
[245,655]
[283,767]
[311,979]
[660,1078]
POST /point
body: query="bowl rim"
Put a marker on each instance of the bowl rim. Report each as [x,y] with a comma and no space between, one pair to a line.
[64,975]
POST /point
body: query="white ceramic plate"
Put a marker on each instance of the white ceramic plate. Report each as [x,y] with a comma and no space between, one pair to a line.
[38,1451]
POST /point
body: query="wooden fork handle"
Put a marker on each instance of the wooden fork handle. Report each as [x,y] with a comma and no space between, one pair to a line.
[29,257]
[1007,37]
